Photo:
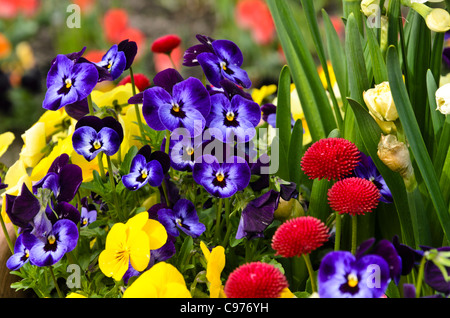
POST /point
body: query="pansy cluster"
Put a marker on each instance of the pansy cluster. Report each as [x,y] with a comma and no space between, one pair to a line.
[162,188]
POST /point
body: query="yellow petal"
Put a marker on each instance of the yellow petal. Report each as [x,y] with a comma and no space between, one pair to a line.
[34,142]
[156,232]
[138,221]
[163,280]
[205,250]
[6,140]
[139,249]
[216,264]
[286,293]
[113,264]
[117,237]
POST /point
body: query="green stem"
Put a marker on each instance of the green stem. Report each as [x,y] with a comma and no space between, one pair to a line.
[166,196]
[91,107]
[354,233]
[5,231]
[136,106]
[227,219]
[337,240]
[56,283]
[218,217]
[311,272]
[171,60]
[167,141]
[113,189]
[420,276]
[100,166]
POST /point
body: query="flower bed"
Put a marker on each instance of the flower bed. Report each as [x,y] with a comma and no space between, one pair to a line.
[209,188]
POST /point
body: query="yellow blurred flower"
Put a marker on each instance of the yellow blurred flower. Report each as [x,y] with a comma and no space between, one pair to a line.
[215,265]
[162,280]
[118,95]
[75,295]
[6,140]
[130,243]
[34,142]
[259,94]
[323,78]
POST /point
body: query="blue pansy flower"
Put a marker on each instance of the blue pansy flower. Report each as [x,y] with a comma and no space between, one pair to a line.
[114,61]
[237,117]
[21,255]
[182,216]
[68,82]
[143,170]
[93,135]
[224,179]
[224,63]
[342,275]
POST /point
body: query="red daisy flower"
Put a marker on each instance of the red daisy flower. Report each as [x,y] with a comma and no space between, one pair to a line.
[299,236]
[353,196]
[166,43]
[330,158]
[255,280]
[140,80]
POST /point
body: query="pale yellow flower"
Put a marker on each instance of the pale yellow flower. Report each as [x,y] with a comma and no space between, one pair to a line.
[6,139]
[380,102]
[119,95]
[34,142]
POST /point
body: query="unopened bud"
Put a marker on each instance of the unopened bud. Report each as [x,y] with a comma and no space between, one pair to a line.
[395,155]
[288,209]
[443,99]
[380,102]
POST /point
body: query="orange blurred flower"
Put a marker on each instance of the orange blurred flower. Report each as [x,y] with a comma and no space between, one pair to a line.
[162,61]
[255,15]
[5,46]
[117,28]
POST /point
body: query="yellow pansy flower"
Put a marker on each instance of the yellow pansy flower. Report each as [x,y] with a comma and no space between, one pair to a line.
[259,94]
[34,142]
[162,280]
[215,265]
[131,243]
[120,94]
[52,119]
[6,140]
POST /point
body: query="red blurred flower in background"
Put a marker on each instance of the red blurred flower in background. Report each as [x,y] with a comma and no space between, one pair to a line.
[117,28]
[255,16]
[11,8]
[167,52]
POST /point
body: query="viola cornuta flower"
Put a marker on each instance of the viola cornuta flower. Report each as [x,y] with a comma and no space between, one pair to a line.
[23,208]
[114,61]
[182,217]
[190,56]
[63,178]
[49,249]
[237,117]
[185,106]
[222,179]
[224,63]
[21,255]
[93,135]
[143,171]
[68,82]
[88,215]
[342,275]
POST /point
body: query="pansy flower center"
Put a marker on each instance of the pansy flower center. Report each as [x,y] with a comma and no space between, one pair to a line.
[27,253]
[230,116]
[223,65]
[144,174]
[109,65]
[68,83]
[189,150]
[175,107]
[179,222]
[220,176]
[84,221]
[97,145]
[352,280]
[51,239]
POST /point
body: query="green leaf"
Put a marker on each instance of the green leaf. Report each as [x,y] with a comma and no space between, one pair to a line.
[414,137]
[437,118]
[378,63]
[371,137]
[283,119]
[296,153]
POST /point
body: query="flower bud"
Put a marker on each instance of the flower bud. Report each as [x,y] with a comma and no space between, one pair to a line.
[380,102]
[438,20]
[288,209]
[443,99]
[395,155]
[367,6]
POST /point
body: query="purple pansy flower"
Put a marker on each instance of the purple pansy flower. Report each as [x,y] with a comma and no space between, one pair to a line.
[142,171]
[366,169]
[129,48]
[224,63]
[190,55]
[342,275]
[48,249]
[114,61]
[23,208]
[2,185]
[185,105]
[236,117]
[68,82]
[88,213]
[93,135]
[182,216]
[222,179]
[434,276]
[63,178]
[21,255]
[258,215]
